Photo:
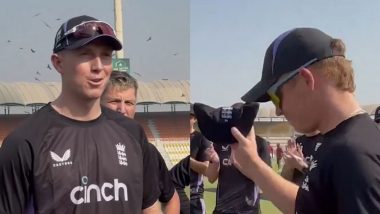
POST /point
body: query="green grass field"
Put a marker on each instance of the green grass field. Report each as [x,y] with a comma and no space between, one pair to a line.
[266,206]
[209,196]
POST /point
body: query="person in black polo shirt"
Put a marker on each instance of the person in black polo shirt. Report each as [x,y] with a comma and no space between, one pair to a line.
[235,192]
[198,166]
[181,178]
[73,155]
[121,95]
[311,83]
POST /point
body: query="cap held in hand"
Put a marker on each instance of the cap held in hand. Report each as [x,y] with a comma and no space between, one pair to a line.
[216,123]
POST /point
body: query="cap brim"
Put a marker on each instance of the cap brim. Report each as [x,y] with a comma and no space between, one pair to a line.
[110,40]
[258,93]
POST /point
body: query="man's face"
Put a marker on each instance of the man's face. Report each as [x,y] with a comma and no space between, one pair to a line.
[193,120]
[123,101]
[85,71]
[297,105]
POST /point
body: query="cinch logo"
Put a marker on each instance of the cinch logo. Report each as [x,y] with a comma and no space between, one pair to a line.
[227,162]
[82,194]
[61,161]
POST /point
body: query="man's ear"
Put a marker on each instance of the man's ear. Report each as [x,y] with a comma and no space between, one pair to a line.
[56,61]
[309,78]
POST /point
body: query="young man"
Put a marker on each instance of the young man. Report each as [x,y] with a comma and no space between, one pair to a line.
[198,166]
[74,156]
[121,95]
[235,193]
[308,78]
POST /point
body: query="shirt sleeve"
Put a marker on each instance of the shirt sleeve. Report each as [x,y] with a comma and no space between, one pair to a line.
[205,144]
[166,184]
[151,190]
[180,173]
[263,149]
[15,175]
[194,145]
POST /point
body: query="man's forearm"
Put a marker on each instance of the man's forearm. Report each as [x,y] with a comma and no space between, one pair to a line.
[280,191]
[212,171]
[198,166]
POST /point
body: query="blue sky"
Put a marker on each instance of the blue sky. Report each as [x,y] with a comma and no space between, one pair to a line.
[229,38]
[166,55]
[218,44]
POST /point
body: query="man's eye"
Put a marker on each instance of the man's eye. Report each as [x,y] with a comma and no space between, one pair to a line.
[129,103]
[114,101]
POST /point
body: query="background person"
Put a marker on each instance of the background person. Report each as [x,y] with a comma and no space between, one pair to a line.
[121,95]
[198,166]
[235,192]
[279,154]
[298,156]
[181,178]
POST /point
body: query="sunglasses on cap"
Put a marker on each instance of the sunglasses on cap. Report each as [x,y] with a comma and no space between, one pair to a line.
[89,29]
[273,91]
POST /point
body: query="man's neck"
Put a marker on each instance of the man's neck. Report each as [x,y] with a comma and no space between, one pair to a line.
[192,130]
[339,108]
[311,134]
[76,108]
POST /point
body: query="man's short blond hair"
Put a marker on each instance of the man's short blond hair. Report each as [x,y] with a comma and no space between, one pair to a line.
[338,69]
[121,81]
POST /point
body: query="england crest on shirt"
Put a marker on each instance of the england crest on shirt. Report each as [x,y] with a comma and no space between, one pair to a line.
[121,155]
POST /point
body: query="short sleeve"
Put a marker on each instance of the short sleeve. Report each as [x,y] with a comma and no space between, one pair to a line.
[194,145]
[180,173]
[15,174]
[205,144]
[166,184]
[151,190]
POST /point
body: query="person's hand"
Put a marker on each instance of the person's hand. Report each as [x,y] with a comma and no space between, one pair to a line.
[212,156]
[294,148]
[293,156]
[244,153]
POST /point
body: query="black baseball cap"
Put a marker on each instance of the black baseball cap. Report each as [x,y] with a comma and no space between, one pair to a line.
[216,123]
[81,30]
[288,52]
[377,115]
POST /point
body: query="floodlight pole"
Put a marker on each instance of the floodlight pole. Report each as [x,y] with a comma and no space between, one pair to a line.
[119,25]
